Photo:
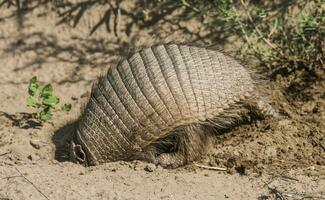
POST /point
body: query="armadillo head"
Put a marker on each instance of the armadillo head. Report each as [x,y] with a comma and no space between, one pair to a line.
[77,154]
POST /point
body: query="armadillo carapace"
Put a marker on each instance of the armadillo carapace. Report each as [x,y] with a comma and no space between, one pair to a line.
[163,104]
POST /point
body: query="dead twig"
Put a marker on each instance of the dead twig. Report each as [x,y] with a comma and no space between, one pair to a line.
[9,177]
[4,198]
[303,195]
[117,21]
[32,184]
[285,177]
[277,193]
[211,168]
[4,153]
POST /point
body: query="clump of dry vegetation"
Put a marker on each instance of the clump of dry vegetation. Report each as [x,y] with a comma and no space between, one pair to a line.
[284,37]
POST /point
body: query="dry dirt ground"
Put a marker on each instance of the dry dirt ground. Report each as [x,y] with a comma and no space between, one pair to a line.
[269,159]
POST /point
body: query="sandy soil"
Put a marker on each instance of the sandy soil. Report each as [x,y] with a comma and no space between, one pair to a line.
[270,159]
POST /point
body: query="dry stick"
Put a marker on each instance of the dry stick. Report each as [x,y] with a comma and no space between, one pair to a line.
[5,153]
[9,177]
[211,168]
[191,7]
[32,184]
[117,21]
[280,194]
[321,61]
[4,198]
[277,193]
[303,195]
[273,29]
[288,177]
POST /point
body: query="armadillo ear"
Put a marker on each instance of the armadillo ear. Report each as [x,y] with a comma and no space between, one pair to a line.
[77,154]
[80,154]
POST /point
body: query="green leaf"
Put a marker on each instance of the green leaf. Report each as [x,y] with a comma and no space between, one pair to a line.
[33,86]
[50,101]
[45,115]
[47,90]
[66,107]
[31,102]
[262,13]
[43,99]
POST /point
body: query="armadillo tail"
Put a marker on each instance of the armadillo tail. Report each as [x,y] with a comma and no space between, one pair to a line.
[265,109]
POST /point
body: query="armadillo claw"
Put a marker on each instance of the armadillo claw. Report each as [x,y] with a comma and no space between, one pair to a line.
[171,160]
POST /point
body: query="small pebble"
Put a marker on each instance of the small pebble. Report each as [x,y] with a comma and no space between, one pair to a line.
[150,167]
[86,94]
[284,123]
[308,107]
[74,98]
[35,144]
[114,170]
[33,157]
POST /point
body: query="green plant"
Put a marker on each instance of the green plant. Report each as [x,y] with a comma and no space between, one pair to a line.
[42,98]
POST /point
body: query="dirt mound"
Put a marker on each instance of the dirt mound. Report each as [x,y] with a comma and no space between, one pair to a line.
[295,140]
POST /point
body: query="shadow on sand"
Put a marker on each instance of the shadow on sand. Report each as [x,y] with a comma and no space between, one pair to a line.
[61,140]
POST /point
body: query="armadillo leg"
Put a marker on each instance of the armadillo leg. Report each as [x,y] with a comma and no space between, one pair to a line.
[154,154]
[190,142]
[149,154]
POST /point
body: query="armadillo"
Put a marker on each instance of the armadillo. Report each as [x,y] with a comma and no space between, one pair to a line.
[163,104]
